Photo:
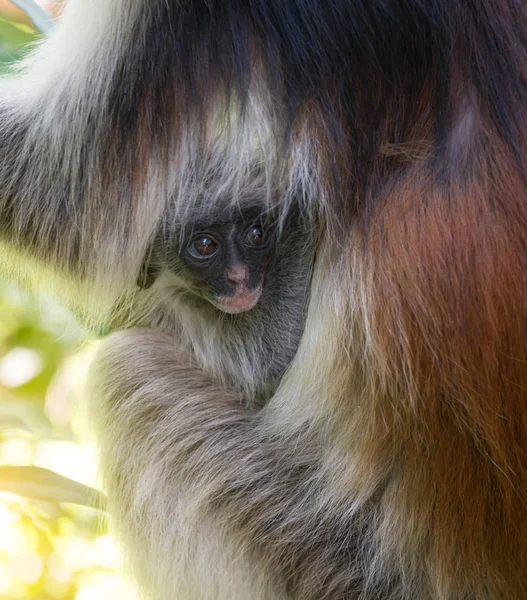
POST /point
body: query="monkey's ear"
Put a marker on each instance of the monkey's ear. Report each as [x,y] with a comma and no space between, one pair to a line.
[147,274]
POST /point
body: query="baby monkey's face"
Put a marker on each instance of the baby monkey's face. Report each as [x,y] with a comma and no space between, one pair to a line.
[223,262]
[226,263]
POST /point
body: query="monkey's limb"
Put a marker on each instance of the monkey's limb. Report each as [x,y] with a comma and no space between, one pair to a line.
[72,206]
[192,473]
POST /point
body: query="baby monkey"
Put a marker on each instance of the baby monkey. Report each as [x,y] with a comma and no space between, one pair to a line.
[232,291]
[224,263]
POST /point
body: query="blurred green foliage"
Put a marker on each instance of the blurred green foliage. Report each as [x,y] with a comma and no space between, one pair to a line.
[15,38]
[53,545]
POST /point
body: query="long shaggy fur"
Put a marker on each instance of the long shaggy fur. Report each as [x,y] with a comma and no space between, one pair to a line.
[392,461]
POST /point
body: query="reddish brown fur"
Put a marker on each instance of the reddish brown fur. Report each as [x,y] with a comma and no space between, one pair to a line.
[448,268]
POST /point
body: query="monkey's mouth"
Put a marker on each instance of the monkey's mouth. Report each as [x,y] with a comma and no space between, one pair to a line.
[242,301]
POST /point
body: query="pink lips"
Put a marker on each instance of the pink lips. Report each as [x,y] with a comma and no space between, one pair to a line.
[240,302]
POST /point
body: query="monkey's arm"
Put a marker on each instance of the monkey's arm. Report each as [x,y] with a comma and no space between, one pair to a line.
[77,191]
[199,486]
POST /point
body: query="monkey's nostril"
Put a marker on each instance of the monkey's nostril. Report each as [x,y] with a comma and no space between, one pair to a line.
[236,275]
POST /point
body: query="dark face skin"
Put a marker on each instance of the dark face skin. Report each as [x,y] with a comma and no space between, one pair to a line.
[225,263]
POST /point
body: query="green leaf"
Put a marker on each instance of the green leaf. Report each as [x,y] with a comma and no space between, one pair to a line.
[22,27]
[14,40]
[46,485]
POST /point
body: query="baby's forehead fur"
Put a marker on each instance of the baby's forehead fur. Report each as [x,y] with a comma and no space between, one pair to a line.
[207,218]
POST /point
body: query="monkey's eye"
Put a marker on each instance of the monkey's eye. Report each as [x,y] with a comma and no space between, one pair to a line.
[255,236]
[203,247]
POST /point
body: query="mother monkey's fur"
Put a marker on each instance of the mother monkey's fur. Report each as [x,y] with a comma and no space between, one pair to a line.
[391,462]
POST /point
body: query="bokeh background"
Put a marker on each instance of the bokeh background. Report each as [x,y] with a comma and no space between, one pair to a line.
[53,545]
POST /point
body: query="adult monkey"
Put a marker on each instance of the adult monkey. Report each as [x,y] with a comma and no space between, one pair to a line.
[391,463]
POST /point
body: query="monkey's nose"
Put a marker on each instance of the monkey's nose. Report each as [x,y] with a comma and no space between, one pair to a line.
[236,275]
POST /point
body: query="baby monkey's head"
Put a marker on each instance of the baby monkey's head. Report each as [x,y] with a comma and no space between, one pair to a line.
[222,262]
